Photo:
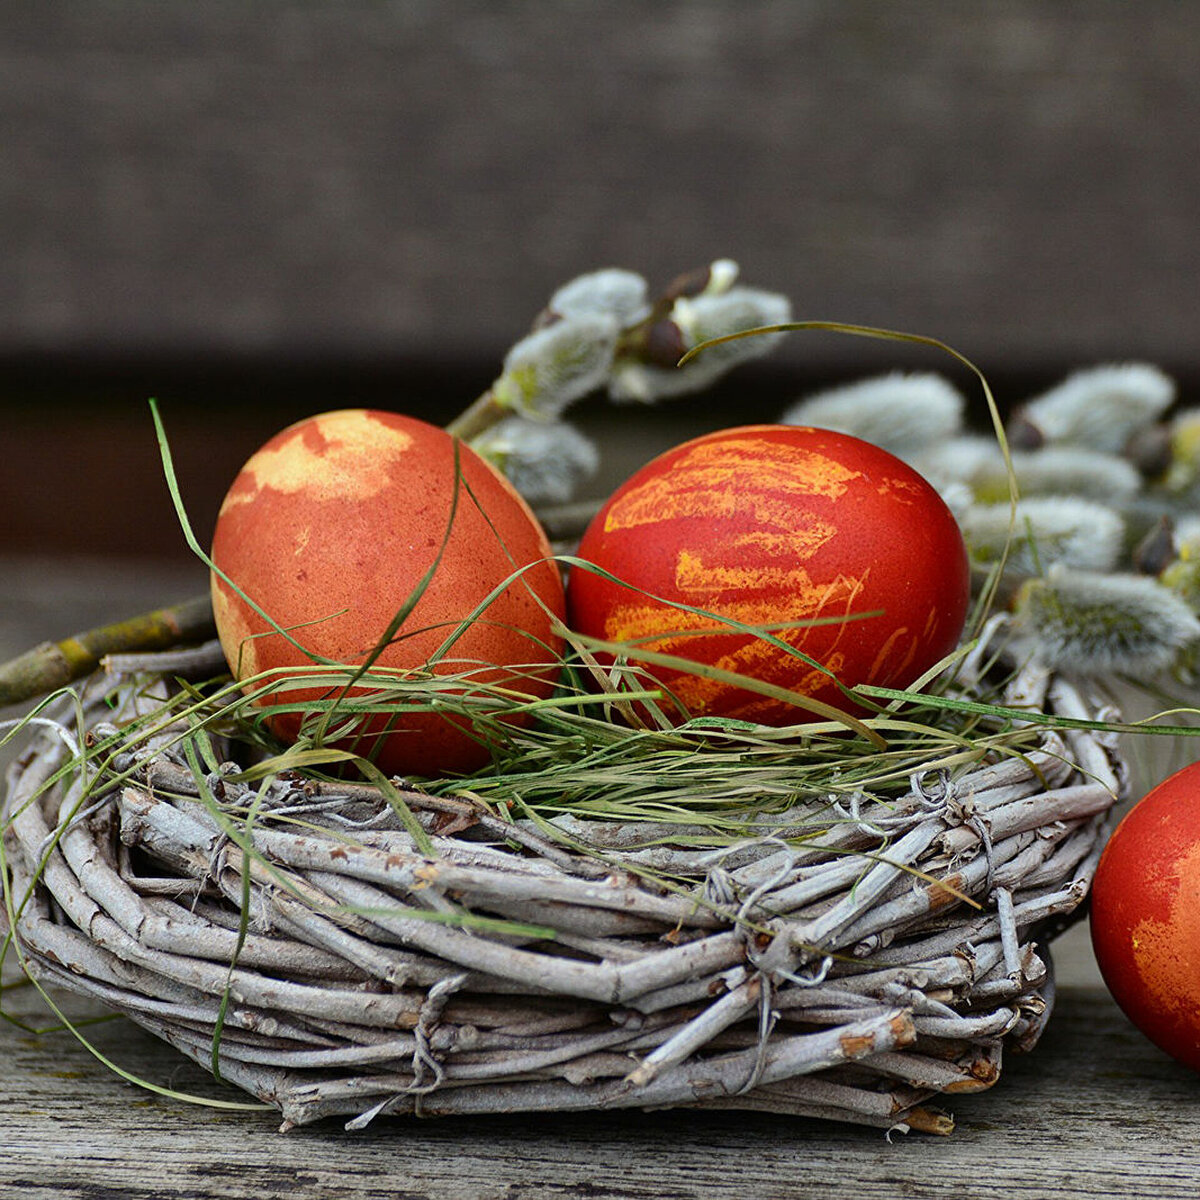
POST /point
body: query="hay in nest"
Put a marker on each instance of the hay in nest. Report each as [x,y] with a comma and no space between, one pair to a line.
[852,956]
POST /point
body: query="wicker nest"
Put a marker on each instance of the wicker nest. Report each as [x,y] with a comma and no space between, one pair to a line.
[857,975]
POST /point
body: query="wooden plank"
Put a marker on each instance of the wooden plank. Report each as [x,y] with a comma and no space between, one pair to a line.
[1094,1111]
[409,181]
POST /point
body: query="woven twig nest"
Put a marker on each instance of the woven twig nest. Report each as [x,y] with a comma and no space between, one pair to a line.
[850,958]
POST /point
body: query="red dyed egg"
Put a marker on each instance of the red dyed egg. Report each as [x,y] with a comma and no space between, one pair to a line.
[1145,915]
[332,525]
[766,525]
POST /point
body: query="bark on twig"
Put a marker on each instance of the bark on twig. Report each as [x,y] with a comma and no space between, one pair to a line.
[54,665]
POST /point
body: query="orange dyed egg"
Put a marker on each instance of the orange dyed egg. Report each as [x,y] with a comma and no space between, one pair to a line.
[1145,915]
[333,524]
[769,525]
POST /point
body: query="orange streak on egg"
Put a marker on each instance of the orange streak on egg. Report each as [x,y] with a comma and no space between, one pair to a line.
[807,601]
[701,485]
[796,543]
[889,658]
[335,456]
[906,491]
[698,575]
[1157,941]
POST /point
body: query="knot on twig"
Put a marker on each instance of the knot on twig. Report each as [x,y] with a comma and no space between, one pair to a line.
[721,885]
[851,810]
[286,791]
[224,790]
[777,956]
[933,790]
[811,975]
[768,1017]
[428,1071]
[101,733]
[217,854]
[873,943]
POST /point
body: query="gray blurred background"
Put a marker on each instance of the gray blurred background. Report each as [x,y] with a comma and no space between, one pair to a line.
[257,212]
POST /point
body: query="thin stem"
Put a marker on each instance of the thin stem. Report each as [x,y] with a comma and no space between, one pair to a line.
[479,417]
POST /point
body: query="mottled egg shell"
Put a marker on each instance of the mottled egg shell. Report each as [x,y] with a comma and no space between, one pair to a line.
[1145,915]
[766,525]
[330,527]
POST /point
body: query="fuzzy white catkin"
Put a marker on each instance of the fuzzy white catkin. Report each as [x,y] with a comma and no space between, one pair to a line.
[1102,407]
[901,412]
[1187,534]
[1102,624]
[722,275]
[552,368]
[700,318]
[715,314]
[1056,471]
[1183,471]
[1075,471]
[976,461]
[959,460]
[546,461]
[1076,533]
[611,292]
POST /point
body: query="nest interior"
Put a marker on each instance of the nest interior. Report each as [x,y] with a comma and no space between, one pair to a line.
[849,958]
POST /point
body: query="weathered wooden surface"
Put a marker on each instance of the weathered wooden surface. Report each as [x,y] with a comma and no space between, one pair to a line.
[407,181]
[1096,1110]
[257,214]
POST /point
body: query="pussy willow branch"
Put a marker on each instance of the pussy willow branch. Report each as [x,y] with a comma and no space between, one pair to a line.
[55,664]
[488,410]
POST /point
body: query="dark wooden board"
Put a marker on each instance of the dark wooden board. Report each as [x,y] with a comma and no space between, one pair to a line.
[408,181]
